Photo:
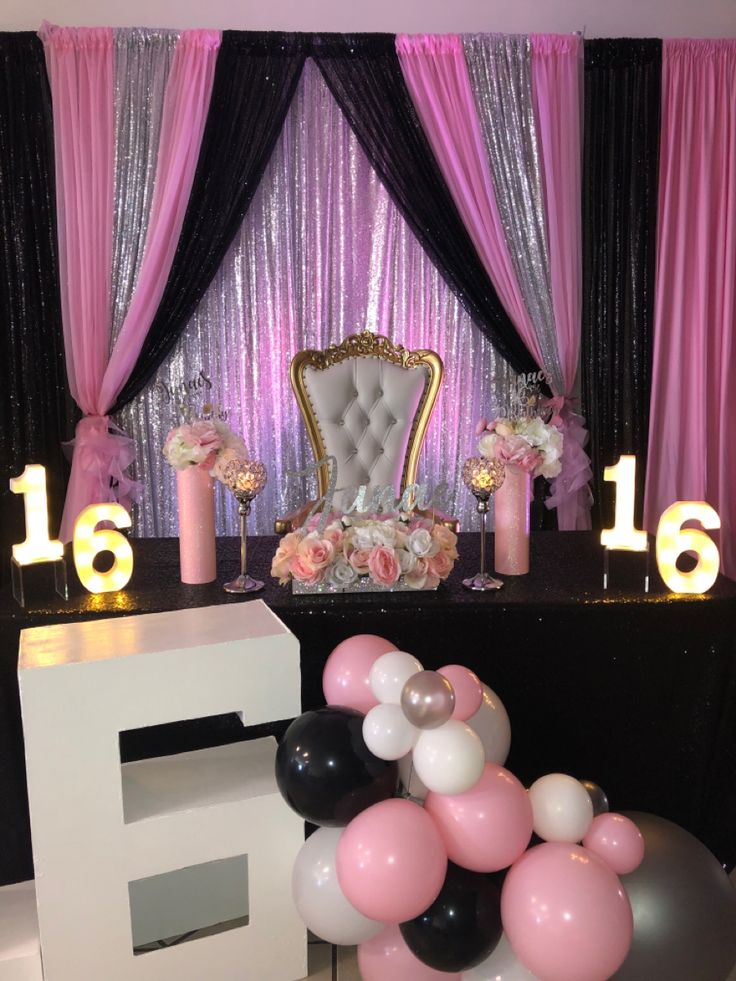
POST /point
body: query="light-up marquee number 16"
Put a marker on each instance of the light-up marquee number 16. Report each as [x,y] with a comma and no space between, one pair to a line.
[672,538]
[88,542]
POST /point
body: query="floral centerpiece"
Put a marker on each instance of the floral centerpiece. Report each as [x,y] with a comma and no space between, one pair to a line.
[207,442]
[528,447]
[530,443]
[198,450]
[372,553]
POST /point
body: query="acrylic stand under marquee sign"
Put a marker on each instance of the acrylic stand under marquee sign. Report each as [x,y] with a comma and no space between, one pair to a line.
[128,855]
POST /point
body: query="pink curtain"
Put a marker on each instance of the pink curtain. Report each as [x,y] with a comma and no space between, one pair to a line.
[80,64]
[437,76]
[692,452]
[556,80]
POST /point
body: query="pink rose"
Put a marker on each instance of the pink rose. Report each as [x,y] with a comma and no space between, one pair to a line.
[512,449]
[446,539]
[304,571]
[358,559]
[440,565]
[318,552]
[382,565]
[530,461]
[334,535]
[280,566]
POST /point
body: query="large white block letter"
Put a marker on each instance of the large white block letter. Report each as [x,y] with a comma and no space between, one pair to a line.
[106,838]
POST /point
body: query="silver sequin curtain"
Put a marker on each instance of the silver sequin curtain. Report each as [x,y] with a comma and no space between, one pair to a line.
[322,253]
[142,63]
[500,72]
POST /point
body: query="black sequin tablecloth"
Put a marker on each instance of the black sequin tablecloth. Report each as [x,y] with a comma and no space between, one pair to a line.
[635,691]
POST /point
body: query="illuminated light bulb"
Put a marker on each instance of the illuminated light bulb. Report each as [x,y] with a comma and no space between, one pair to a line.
[673,540]
[88,543]
[37,547]
[624,535]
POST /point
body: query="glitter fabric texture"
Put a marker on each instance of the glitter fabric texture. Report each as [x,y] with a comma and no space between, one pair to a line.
[142,63]
[322,253]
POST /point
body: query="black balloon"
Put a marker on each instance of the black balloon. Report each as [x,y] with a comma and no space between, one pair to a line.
[325,771]
[462,926]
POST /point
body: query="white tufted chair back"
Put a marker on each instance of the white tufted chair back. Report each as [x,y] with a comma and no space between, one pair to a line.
[367,403]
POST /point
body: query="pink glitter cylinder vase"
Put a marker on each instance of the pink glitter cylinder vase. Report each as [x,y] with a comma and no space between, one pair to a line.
[512,503]
[195,493]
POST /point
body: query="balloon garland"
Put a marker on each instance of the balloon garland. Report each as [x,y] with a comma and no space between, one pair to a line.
[422,855]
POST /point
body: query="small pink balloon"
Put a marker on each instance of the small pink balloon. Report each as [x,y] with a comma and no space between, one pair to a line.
[617,840]
[566,914]
[468,690]
[489,826]
[391,862]
[387,958]
[345,676]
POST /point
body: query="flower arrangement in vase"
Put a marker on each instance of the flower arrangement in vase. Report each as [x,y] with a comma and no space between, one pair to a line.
[528,447]
[199,450]
[366,555]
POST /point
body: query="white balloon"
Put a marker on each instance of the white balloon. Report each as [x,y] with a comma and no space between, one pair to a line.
[389,674]
[318,896]
[387,732]
[563,810]
[491,722]
[449,759]
[409,778]
[502,965]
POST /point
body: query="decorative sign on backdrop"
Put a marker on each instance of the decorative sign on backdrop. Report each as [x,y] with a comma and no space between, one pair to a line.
[88,543]
[37,547]
[382,500]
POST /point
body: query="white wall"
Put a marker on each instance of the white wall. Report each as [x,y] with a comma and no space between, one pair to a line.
[597,18]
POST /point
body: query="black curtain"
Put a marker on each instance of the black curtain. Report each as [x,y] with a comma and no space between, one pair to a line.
[255,79]
[364,75]
[36,410]
[620,179]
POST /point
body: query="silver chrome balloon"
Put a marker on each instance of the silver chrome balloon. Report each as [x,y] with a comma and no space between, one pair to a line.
[427,700]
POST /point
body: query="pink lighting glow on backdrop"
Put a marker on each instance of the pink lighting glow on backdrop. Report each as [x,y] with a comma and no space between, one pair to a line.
[322,253]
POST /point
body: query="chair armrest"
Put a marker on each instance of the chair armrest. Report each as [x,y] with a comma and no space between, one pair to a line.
[292,521]
[440,518]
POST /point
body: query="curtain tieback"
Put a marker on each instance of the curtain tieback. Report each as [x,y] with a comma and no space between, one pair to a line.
[103,453]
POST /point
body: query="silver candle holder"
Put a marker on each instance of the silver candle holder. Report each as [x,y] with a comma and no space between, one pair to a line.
[482,477]
[245,479]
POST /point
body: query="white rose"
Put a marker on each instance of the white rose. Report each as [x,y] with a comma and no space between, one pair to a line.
[178,454]
[406,560]
[420,543]
[550,470]
[384,533]
[504,427]
[536,432]
[362,536]
[341,573]
[487,445]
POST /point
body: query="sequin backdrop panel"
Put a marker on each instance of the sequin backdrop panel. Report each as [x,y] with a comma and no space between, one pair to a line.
[142,64]
[322,253]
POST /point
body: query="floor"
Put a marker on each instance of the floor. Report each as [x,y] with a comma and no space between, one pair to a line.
[328,963]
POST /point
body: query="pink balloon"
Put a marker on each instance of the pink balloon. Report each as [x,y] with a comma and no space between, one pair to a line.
[617,840]
[468,690]
[488,827]
[566,914]
[391,862]
[345,675]
[387,958]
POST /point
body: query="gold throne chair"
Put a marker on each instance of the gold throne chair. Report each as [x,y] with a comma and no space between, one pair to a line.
[366,402]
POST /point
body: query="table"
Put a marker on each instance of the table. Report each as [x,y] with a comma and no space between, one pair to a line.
[634,691]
